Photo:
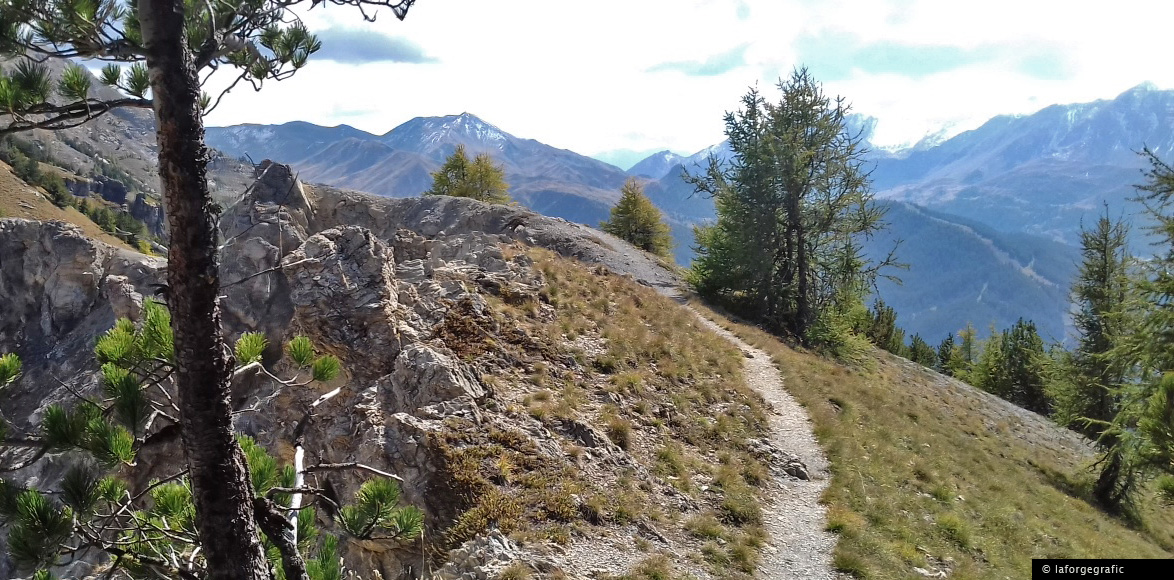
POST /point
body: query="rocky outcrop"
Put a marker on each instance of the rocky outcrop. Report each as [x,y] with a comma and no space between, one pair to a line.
[481,558]
[111,190]
[398,291]
[342,287]
[434,216]
[53,278]
[424,376]
[150,213]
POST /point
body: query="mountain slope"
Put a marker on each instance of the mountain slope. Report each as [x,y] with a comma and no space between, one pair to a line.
[399,163]
[962,271]
[657,165]
[934,478]
[1040,173]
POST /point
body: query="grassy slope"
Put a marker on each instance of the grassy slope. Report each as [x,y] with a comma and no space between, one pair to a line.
[19,200]
[931,473]
[599,349]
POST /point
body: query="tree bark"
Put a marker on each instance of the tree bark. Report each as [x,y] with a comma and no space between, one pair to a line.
[1109,491]
[220,480]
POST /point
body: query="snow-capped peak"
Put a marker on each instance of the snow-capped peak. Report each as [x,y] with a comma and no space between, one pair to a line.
[465,124]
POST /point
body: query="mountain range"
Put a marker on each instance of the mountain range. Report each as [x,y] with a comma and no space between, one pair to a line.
[989,218]
[1041,173]
[399,163]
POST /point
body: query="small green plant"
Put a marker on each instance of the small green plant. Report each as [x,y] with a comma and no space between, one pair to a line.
[955,529]
[656,567]
[494,508]
[705,526]
[326,368]
[740,506]
[301,351]
[515,571]
[249,347]
[9,369]
[376,513]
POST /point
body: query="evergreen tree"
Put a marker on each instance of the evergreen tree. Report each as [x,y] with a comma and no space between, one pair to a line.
[883,330]
[921,352]
[156,52]
[946,354]
[487,180]
[792,205]
[1013,365]
[479,179]
[962,362]
[1088,378]
[98,504]
[1141,436]
[637,221]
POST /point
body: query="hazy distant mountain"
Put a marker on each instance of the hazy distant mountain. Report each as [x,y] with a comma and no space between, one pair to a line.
[292,141]
[623,158]
[1040,173]
[554,181]
[657,165]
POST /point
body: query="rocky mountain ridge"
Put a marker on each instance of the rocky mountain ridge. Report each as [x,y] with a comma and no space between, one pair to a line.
[1040,173]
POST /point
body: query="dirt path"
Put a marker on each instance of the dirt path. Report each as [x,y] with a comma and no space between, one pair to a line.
[799,547]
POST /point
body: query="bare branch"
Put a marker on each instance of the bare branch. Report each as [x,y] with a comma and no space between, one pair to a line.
[352,465]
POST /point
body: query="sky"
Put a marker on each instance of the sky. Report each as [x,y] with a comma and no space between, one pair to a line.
[605,78]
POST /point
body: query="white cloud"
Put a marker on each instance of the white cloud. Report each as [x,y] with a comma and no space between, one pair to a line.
[576,74]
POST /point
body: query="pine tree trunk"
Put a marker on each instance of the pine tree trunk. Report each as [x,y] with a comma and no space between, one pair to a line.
[219,478]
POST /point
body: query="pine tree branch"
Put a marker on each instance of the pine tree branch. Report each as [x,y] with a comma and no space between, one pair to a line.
[67,116]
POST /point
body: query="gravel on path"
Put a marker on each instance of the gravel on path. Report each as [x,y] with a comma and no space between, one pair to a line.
[799,546]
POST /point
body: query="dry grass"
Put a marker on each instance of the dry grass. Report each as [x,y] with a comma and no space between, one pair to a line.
[601,350]
[19,200]
[929,473]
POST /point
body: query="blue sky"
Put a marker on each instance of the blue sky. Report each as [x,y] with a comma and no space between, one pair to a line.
[647,75]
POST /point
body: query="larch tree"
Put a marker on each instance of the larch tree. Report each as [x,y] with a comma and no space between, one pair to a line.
[637,221]
[793,205]
[1142,432]
[1013,365]
[1085,386]
[883,330]
[160,54]
[478,179]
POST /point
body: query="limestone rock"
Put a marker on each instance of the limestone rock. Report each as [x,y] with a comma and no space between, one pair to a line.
[123,299]
[424,376]
[342,287]
[482,558]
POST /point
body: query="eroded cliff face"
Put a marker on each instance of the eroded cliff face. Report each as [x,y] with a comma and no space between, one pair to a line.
[389,301]
[60,289]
